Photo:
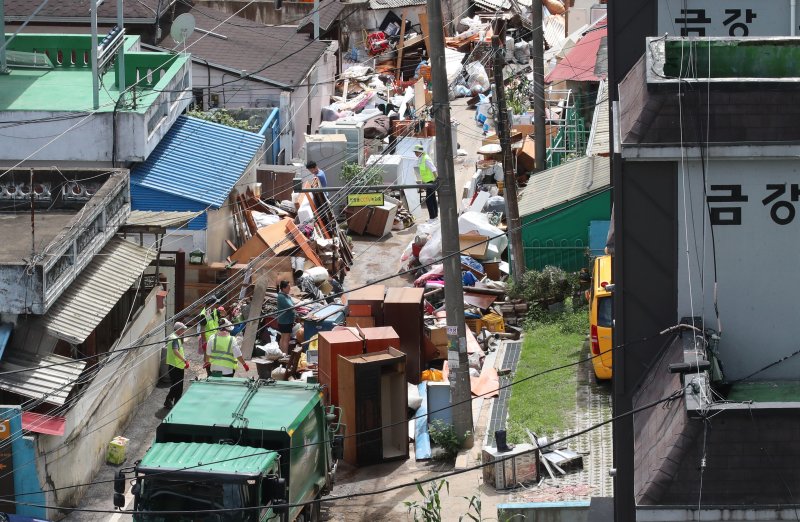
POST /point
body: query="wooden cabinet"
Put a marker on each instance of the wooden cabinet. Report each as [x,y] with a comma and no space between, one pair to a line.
[276,181]
[374,402]
[330,346]
[371,296]
[380,338]
[403,311]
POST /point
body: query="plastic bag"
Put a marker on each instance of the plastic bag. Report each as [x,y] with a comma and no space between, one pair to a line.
[477,79]
[432,375]
[272,352]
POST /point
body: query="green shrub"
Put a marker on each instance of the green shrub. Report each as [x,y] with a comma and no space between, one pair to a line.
[358,175]
[548,286]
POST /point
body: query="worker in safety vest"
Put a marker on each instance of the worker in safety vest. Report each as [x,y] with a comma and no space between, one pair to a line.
[427,173]
[223,352]
[207,323]
[176,364]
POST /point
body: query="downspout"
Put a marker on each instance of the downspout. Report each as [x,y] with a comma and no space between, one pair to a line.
[793,17]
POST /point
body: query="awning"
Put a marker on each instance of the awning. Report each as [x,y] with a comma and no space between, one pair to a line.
[159,219]
[97,289]
[52,379]
[586,61]
[46,424]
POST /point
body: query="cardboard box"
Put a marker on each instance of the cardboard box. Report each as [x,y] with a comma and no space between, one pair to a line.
[473,245]
[437,334]
[116,450]
[362,321]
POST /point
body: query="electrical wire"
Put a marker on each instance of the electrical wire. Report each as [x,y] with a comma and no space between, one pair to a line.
[669,398]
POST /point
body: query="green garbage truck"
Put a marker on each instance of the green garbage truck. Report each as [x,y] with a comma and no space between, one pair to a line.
[237,450]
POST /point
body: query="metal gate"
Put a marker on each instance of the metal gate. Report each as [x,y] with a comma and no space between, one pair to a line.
[568,255]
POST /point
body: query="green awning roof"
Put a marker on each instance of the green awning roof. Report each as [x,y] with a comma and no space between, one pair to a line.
[217,458]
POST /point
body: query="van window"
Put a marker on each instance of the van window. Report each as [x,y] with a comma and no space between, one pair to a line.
[605,316]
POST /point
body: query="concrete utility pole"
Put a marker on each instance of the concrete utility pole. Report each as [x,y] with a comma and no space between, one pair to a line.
[539,116]
[453,289]
[503,131]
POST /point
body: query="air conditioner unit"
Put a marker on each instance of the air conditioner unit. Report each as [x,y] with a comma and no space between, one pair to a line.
[41,192]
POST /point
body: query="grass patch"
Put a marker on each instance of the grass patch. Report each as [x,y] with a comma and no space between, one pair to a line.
[544,404]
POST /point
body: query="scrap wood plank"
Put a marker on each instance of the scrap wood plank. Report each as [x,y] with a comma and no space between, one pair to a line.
[249,341]
[400,46]
[423,22]
[301,240]
[318,214]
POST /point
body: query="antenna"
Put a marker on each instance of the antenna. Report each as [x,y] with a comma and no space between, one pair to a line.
[182,28]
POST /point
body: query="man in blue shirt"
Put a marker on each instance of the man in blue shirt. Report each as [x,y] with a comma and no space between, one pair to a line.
[318,173]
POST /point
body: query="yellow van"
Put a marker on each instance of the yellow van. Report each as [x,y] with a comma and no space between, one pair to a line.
[601,317]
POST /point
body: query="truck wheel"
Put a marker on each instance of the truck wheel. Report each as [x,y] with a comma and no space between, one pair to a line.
[311,513]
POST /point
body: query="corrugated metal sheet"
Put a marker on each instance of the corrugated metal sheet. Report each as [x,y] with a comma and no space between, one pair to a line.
[164,219]
[97,289]
[599,138]
[148,199]
[224,458]
[393,4]
[585,61]
[197,160]
[50,383]
[555,30]
[566,182]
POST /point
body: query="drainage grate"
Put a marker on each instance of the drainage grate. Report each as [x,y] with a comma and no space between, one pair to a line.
[500,406]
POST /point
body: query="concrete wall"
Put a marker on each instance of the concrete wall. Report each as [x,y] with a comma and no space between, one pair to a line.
[100,412]
[262,11]
[92,139]
[577,511]
[753,263]
[307,101]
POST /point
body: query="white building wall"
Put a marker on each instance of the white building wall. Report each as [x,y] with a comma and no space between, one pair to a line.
[101,412]
[754,244]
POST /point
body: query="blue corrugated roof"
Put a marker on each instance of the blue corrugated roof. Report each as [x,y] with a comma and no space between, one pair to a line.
[197,160]
[143,198]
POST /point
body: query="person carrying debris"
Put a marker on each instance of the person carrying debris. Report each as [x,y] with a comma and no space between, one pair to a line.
[223,352]
[176,364]
[286,315]
[427,173]
[317,173]
[207,323]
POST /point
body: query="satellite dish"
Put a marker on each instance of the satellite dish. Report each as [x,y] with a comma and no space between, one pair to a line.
[182,28]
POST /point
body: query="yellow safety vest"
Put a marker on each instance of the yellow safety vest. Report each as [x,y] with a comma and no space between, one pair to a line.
[212,322]
[173,359]
[222,353]
[425,174]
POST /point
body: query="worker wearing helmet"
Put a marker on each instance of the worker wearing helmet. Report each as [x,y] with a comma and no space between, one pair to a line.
[427,173]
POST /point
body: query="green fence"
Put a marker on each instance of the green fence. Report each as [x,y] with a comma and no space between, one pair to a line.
[569,255]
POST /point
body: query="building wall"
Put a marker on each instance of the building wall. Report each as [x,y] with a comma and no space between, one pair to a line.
[299,108]
[220,222]
[750,266]
[92,139]
[261,11]
[562,239]
[100,413]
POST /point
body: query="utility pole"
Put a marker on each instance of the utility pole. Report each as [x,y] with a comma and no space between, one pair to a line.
[539,116]
[460,392]
[503,131]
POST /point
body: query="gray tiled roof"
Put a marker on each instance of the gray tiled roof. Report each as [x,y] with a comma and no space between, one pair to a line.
[79,9]
[287,55]
[329,11]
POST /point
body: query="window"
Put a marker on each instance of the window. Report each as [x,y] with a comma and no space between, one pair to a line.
[605,315]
